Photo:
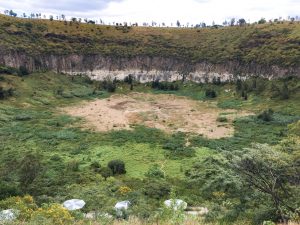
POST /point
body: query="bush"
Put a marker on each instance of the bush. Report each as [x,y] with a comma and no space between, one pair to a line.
[55,213]
[8,70]
[117,167]
[155,172]
[5,93]
[73,165]
[109,86]
[210,93]
[106,172]
[23,71]
[176,147]
[164,86]
[95,166]
[8,190]
[266,115]
[157,189]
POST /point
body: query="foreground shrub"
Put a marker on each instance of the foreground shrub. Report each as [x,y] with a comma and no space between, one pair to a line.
[24,205]
[55,214]
[117,167]
[157,189]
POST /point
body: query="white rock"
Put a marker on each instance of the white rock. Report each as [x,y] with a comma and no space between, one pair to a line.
[176,204]
[74,204]
[8,215]
[122,205]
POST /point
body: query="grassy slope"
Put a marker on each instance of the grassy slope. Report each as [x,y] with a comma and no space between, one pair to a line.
[276,44]
[29,121]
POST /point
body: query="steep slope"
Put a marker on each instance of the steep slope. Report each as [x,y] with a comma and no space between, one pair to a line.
[271,50]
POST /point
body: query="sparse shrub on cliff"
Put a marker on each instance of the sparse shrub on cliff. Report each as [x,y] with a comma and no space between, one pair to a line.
[216,81]
[8,70]
[165,86]
[23,71]
[109,85]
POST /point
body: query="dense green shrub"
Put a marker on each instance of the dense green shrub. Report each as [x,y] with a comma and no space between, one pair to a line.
[73,165]
[8,190]
[165,86]
[106,172]
[176,147]
[30,167]
[266,115]
[155,172]
[210,93]
[23,71]
[95,166]
[8,70]
[157,189]
[117,167]
[109,85]
[5,93]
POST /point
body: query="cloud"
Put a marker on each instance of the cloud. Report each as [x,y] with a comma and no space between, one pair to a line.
[168,11]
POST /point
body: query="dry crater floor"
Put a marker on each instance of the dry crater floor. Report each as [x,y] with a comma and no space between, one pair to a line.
[167,112]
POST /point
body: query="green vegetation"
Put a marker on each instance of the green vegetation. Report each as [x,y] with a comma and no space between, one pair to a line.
[48,154]
[263,44]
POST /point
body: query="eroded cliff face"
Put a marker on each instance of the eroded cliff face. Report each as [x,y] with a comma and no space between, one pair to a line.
[143,68]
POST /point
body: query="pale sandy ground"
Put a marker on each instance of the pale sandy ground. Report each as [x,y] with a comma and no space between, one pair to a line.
[167,112]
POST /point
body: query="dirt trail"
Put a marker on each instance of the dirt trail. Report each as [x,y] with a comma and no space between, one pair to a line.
[167,112]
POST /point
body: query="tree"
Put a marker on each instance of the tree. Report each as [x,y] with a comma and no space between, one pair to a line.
[242,22]
[232,22]
[271,172]
[12,13]
[117,167]
[213,174]
[51,18]
[178,23]
[262,21]
[106,172]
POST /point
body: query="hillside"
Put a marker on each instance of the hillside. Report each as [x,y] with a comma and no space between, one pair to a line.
[268,49]
[49,152]
[148,118]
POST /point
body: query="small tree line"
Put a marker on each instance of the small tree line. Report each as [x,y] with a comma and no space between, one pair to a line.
[178,23]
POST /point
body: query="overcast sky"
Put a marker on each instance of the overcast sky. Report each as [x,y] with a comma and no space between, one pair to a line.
[168,11]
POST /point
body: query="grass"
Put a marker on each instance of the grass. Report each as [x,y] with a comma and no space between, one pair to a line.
[31,122]
[267,44]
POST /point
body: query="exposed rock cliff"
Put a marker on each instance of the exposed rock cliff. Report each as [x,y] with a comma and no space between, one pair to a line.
[143,68]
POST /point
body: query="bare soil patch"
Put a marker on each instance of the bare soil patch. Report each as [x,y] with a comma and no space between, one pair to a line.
[167,112]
